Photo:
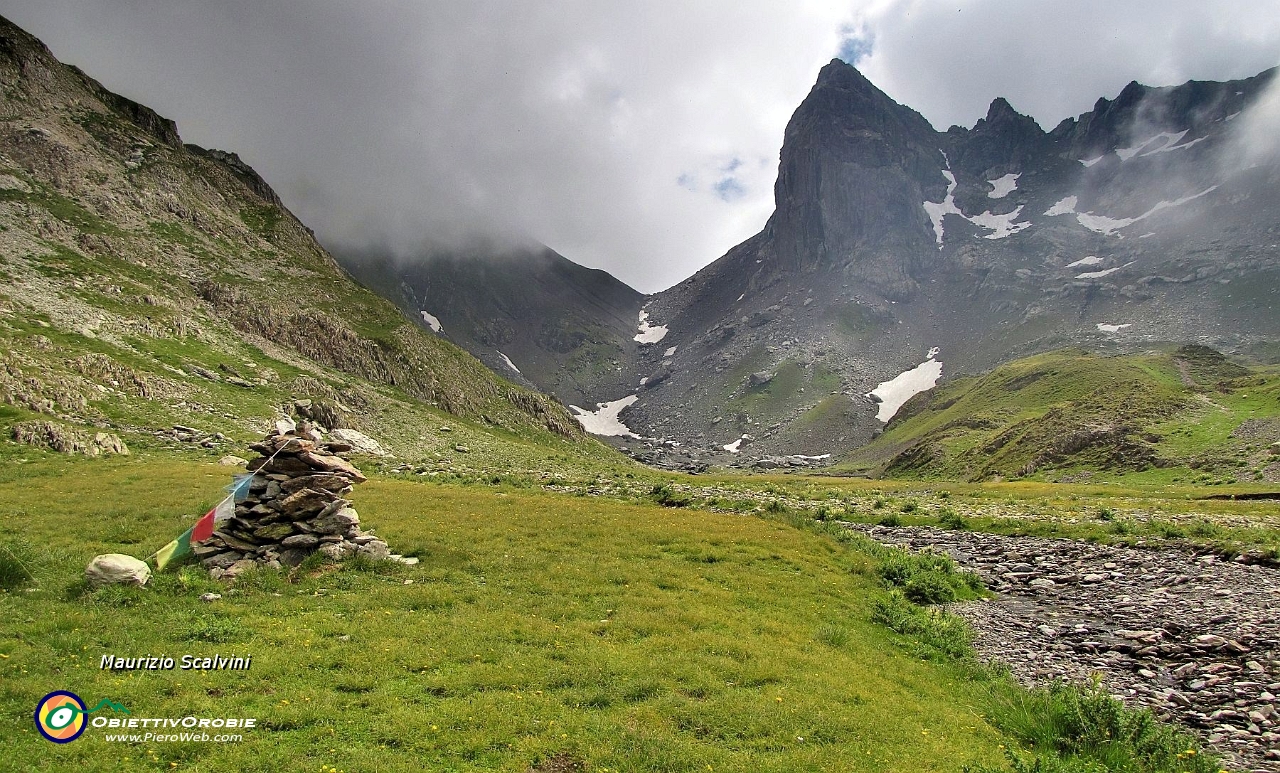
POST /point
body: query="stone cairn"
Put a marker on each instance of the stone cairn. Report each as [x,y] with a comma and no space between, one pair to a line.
[295,507]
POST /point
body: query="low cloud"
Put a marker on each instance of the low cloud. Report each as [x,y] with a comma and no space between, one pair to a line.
[1256,131]
[599,129]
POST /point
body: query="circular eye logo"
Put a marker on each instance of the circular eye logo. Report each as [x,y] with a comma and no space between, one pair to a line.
[60,716]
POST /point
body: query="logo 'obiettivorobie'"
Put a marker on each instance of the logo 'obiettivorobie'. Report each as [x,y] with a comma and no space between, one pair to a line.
[60,715]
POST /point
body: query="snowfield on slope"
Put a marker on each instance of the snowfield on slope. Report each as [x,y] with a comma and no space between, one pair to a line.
[649,334]
[902,387]
[604,420]
[1003,186]
[509,363]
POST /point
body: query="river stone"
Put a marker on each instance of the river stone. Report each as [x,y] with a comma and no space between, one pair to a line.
[222,560]
[274,531]
[116,569]
[376,550]
[337,522]
[305,503]
[335,551]
[294,556]
[319,482]
[282,464]
[328,463]
[301,541]
[238,568]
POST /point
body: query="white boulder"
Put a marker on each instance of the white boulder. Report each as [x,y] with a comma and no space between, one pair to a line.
[360,443]
[116,569]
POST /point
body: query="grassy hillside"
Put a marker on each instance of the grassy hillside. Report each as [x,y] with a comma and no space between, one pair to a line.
[148,283]
[1185,416]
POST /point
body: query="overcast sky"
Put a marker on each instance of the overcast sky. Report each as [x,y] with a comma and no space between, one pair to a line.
[640,138]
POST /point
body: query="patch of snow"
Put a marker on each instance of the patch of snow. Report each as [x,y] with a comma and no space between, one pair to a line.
[644,381]
[604,420]
[671,351]
[1171,146]
[902,387]
[1001,226]
[1092,260]
[1165,138]
[1177,202]
[1112,328]
[432,322]
[934,352]
[1103,224]
[811,458]
[1092,161]
[1106,225]
[1065,206]
[1233,115]
[740,297]
[938,210]
[508,361]
[1098,274]
[1147,235]
[735,445]
[1003,186]
[649,334]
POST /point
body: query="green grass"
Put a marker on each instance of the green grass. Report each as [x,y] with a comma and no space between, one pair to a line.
[537,626]
[62,208]
[627,637]
[262,219]
[1082,729]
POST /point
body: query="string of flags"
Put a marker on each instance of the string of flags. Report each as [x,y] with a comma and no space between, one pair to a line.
[203,529]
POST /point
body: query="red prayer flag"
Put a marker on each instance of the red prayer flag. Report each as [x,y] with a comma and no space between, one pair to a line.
[203,529]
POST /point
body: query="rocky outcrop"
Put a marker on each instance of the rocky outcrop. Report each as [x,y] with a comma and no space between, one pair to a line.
[66,440]
[112,229]
[295,507]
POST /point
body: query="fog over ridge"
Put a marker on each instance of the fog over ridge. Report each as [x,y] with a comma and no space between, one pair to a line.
[641,140]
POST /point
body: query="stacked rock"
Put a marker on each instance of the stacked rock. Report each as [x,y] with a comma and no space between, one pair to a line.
[295,507]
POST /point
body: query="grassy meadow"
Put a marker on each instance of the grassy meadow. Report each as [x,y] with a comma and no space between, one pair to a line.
[541,631]
[537,628]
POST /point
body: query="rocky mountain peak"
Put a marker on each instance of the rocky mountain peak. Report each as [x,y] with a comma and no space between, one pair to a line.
[1004,139]
[28,67]
[1000,109]
[848,189]
[840,74]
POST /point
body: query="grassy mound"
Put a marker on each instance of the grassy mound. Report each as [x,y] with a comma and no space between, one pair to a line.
[1190,415]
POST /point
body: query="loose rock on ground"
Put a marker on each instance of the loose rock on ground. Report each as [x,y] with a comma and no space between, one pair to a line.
[1196,638]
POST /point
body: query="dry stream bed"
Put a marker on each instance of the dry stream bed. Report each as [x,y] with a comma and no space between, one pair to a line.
[1194,637]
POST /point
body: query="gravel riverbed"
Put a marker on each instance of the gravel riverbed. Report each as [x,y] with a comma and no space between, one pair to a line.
[1194,637]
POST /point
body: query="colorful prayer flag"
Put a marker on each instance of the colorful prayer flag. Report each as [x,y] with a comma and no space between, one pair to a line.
[174,550]
[202,531]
